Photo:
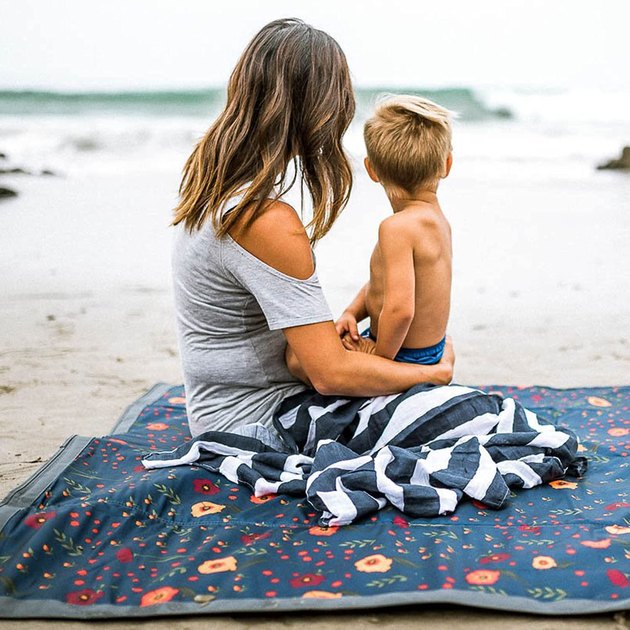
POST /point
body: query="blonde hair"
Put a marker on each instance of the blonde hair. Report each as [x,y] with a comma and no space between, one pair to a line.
[408,140]
[289,100]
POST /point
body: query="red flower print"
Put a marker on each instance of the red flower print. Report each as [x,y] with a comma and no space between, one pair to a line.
[616,506]
[529,528]
[495,557]
[84,597]
[37,520]
[248,539]
[618,578]
[400,522]
[205,486]
[124,555]
[308,579]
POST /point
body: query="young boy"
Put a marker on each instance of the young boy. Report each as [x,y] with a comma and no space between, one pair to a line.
[407,298]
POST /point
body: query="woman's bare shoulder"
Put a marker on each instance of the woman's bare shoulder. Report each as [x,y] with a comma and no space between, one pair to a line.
[278,238]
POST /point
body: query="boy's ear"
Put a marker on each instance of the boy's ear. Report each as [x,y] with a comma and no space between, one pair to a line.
[447,166]
[370,170]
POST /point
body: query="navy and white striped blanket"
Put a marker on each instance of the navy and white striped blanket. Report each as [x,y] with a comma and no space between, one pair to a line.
[422,451]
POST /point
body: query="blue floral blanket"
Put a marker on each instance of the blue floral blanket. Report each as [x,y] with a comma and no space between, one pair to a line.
[95,534]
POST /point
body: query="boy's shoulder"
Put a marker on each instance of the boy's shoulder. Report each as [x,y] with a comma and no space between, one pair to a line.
[395,221]
[412,222]
[424,233]
[396,226]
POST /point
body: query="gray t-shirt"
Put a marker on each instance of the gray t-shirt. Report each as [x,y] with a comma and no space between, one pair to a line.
[230,308]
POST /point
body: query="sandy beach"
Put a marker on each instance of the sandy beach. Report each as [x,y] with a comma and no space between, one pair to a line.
[101,105]
[540,297]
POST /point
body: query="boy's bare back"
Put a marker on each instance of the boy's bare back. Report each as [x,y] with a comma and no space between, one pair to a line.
[410,272]
[408,142]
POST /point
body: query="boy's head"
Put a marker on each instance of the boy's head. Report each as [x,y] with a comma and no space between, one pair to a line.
[408,141]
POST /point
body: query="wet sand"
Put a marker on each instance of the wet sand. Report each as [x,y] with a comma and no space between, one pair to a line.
[540,296]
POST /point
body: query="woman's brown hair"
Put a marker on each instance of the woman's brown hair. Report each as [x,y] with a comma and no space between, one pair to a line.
[289,99]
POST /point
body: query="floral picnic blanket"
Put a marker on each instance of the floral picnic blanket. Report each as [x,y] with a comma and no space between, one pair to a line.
[93,534]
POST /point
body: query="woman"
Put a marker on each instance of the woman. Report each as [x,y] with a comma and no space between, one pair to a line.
[244,274]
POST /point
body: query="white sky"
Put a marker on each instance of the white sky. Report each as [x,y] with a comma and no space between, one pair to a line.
[136,44]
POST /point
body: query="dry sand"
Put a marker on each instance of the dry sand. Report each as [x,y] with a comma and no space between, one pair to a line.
[541,296]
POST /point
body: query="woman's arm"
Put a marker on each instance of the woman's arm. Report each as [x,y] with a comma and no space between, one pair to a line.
[331,369]
[294,366]
[277,237]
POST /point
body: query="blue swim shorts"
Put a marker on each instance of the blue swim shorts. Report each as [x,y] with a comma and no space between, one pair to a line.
[423,356]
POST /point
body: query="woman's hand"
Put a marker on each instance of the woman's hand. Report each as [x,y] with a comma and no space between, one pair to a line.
[318,354]
[362,344]
[444,368]
[347,325]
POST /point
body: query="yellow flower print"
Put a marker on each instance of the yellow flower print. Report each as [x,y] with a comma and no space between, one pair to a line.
[219,565]
[177,400]
[376,563]
[544,562]
[561,484]
[617,529]
[483,577]
[598,402]
[206,507]
[321,595]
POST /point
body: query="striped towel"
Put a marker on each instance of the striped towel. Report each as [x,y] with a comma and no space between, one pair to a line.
[422,451]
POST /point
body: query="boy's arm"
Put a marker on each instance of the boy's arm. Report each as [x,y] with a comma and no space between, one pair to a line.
[354,313]
[398,287]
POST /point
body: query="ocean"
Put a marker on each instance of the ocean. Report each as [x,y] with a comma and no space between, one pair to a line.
[500,131]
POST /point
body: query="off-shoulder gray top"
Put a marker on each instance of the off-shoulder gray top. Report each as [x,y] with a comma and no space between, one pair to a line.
[231,308]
